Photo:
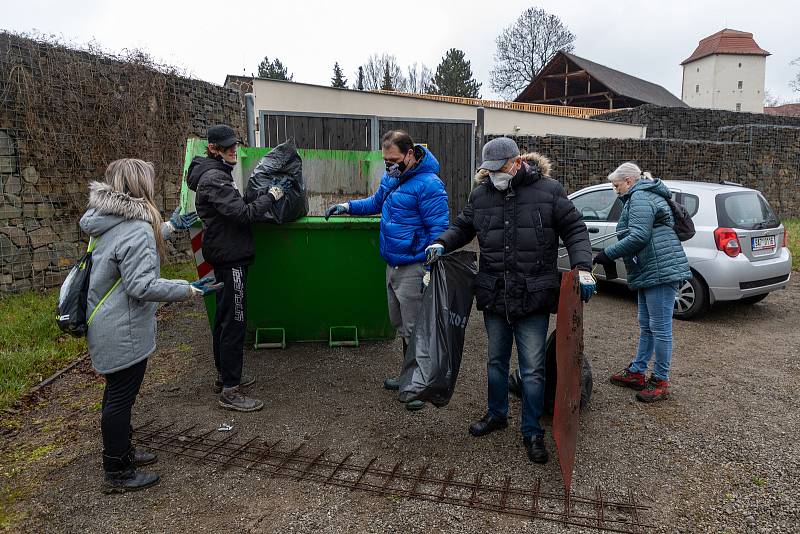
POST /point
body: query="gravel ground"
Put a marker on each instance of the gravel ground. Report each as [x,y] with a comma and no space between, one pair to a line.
[721,456]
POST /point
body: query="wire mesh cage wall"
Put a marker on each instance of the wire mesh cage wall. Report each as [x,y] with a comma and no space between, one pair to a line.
[763,157]
[65,114]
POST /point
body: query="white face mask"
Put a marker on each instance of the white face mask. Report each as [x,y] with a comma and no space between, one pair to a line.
[500,180]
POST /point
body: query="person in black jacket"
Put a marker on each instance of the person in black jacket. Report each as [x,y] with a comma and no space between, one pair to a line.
[228,247]
[518,214]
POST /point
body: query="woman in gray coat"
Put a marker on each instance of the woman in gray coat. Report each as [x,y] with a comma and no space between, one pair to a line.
[125,287]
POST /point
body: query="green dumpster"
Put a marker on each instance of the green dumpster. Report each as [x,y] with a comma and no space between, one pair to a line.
[312,280]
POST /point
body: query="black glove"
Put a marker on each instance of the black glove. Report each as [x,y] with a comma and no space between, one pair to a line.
[602,259]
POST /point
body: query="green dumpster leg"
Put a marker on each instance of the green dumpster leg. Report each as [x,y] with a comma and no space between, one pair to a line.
[270,338]
[343,336]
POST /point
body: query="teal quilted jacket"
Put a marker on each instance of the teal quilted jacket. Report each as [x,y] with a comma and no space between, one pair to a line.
[652,252]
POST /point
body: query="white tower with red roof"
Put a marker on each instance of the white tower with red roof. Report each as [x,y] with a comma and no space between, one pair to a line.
[726,71]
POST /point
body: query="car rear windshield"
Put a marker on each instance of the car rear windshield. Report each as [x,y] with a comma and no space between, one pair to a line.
[747,210]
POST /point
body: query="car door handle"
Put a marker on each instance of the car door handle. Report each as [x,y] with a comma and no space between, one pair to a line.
[593,230]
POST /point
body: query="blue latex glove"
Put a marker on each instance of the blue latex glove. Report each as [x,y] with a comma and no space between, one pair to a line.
[433,253]
[182,222]
[588,285]
[337,209]
[206,285]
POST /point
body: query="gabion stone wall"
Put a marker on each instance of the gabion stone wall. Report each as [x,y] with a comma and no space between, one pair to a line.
[766,158]
[64,115]
[691,123]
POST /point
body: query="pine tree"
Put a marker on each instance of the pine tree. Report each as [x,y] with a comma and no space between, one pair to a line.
[454,77]
[338,80]
[387,80]
[274,70]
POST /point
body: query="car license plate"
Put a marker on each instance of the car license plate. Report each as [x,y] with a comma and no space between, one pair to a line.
[763,242]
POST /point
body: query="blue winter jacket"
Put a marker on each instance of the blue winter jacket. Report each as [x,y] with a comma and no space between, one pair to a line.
[652,252]
[413,210]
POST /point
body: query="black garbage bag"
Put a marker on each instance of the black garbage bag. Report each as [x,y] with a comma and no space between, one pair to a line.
[282,167]
[551,373]
[433,358]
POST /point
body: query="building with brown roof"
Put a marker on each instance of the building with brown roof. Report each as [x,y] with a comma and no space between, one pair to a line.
[725,71]
[570,80]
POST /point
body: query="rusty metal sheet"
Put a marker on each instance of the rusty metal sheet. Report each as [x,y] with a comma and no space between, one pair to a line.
[569,354]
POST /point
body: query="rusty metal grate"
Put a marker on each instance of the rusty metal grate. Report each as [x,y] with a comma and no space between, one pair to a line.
[279,459]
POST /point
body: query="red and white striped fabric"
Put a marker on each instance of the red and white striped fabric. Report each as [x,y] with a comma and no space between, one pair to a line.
[203,267]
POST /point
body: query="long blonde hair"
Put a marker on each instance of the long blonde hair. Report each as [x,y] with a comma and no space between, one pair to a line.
[137,178]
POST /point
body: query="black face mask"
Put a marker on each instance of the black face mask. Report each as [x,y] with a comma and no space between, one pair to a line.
[395,169]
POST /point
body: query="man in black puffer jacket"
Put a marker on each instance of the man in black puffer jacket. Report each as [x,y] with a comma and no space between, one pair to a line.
[228,247]
[518,214]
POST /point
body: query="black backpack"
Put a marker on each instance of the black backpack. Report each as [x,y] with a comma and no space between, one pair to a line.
[684,226]
[72,299]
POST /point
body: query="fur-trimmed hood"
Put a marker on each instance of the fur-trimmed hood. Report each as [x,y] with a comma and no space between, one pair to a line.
[537,164]
[108,208]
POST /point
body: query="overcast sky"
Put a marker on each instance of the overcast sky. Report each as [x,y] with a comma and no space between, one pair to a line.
[210,39]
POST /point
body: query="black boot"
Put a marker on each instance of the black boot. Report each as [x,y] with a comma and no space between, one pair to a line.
[393,383]
[141,458]
[536,450]
[486,425]
[121,474]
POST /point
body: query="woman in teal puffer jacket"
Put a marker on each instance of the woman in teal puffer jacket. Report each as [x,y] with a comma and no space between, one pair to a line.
[656,266]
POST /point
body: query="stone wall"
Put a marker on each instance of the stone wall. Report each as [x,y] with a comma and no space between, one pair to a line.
[691,123]
[766,158]
[64,115]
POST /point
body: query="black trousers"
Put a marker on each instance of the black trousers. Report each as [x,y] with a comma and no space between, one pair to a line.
[118,398]
[229,324]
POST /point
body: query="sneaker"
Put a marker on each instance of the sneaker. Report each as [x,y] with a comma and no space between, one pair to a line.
[414,405]
[233,399]
[245,381]
[628,379]
[655,390]
[392,384]
[537,452]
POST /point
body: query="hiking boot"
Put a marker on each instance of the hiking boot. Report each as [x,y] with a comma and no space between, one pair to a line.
[245,381]
[233,399]
[414,405]
[655,390]
[121,474]
[628,379]
[537,452]
[392,384]
[487,425]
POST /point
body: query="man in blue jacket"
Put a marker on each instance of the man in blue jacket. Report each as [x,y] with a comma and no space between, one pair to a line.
[412,202]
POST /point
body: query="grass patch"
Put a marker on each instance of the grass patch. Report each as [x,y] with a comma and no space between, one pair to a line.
[31,345]
[793,227]
[181,271]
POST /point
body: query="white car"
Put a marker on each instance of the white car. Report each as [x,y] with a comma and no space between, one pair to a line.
[740,251]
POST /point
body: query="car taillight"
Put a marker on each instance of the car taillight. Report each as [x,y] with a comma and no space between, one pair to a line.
[727,241]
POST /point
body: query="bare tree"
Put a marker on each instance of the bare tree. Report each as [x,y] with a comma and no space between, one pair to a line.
[795,84]
[375,69]
[525,47]
[770,100]
[418,78]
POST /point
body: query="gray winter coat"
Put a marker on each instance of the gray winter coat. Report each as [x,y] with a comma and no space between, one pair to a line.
[123,331]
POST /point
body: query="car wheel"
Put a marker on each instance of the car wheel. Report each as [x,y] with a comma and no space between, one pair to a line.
[691,299]
[754,299]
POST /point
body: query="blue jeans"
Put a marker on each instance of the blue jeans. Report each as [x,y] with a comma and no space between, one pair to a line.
[655,329]
[531,335]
